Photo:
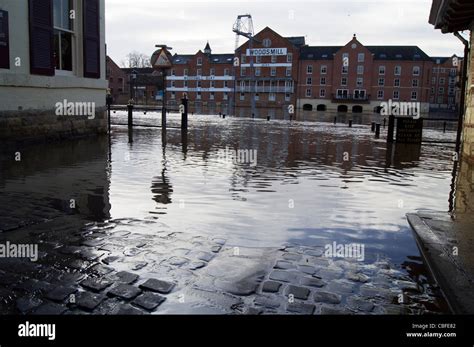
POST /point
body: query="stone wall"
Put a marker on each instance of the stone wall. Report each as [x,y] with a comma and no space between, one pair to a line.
[40,124]
[468,128]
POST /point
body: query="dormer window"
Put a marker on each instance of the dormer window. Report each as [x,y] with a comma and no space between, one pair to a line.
[199,61]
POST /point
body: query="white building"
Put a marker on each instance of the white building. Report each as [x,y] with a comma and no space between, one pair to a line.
[52,52]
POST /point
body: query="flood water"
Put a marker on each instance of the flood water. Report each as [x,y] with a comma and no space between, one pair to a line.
[313,182]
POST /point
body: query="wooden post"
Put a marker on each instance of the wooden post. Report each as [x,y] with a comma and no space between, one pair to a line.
[377,130]
[184,114]
[391,128]
[163,108]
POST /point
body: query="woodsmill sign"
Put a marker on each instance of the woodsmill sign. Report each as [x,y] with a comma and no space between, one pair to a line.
[409,130]
[266,51]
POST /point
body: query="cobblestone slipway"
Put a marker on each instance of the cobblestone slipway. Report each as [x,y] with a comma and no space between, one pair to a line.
[131,267]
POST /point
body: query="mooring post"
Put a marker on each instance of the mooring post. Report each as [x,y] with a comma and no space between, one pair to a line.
[130,113]
[444,127]
[184,114]
[268,117]
[384,121]
[372,127]
[350,123]
[163,108]
[377,130]
[109,103]
[335,120]
[391,128]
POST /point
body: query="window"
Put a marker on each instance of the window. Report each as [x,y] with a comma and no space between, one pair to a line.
[173,84]
[287,97]
[308,92]
[359,81]
[274,58]
[360,69]
[242,96]
[309,69]
[199,61]
[380,94]
[198,96]
[416,71]
[359,94]
[212,72]
[243,71]
[414,83]
[441,80]
[267,43]
[451,100]
[381,81]
[226,72]
[414,95]
[396,82]
[441,90]
[258,59]
[173,95]
[242,59]
[440,99]
[198,84]
[273,71]
[396,94]
[63,35]
[213,84]
[398,70]
[226,96]
[433,80]
[185,84]
[322,93]
[257,96]
[288,71]
[289,57]
[173,72]
[309,81]
[451,91]
[324,69]
[226,84]
[185,73]
[432,90]
[381,70]
[111,79]
[258,71]
[344,81]
[345,69]
[199,72]
[271,97]
[322,81]
[360,57]
[342,94]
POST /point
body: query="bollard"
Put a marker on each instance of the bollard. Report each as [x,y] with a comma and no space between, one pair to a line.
[268,117]
[184,115]
[291,117]
[372,127]
[391,127]
[377,130]
[350,123]
[384,121]
[253,115]
[223,116]
[108,100]
[335,120]
[130,115]
[444,127]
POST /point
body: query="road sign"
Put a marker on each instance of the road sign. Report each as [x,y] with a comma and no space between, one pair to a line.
[161,59]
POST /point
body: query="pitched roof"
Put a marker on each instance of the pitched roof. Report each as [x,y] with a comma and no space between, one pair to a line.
[412,53]
[442,60]
[298,41]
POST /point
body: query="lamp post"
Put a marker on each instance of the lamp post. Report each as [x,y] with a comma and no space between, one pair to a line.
[161,60]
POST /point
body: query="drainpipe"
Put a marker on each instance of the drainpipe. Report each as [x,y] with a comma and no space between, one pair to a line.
[463,90]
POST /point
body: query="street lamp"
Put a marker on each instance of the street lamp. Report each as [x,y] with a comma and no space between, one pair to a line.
[133,77]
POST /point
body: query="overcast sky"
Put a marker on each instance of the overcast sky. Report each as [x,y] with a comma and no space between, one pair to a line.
[137,25]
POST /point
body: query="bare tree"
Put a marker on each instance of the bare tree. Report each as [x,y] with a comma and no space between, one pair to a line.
[136,60]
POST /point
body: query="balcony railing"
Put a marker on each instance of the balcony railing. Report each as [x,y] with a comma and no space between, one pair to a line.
[265,89]
[350,98]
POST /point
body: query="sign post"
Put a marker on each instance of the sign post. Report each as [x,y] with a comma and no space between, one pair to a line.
[161,60]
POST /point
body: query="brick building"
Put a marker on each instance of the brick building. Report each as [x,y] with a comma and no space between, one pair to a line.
[370,75]
[444,90]
[286,71]
[274,76]
[118,84]
[205,77]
